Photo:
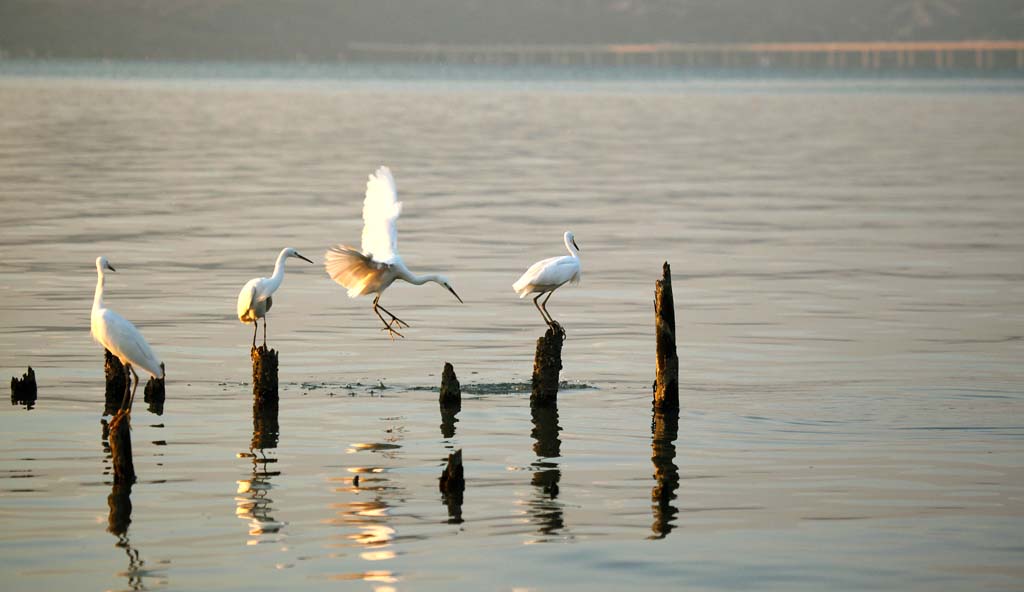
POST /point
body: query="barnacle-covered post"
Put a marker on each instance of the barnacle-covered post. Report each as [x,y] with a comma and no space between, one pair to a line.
[547,363]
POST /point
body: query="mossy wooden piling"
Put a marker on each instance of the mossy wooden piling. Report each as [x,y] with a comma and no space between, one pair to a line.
[666,380]
[120,439]
[452,485]
[23,390]
[264,375]
[547,363]
[116,383]
[450,400]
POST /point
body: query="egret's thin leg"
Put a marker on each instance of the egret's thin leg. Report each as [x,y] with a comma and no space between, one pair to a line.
[132,400]
[542,315]
[127,386]
[387,326]
[544,305]
[264,332]
[396,319]
[255,328]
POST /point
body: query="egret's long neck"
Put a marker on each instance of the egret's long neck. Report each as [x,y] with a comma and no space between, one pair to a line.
[572,248]
[97,300]
[278,277]
[419,280]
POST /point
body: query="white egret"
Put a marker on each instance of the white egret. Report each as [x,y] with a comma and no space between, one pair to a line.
[547,275]
[256,296]
[378,265]
[121,337]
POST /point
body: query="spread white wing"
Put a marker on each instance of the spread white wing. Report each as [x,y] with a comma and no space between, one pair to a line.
[381,209]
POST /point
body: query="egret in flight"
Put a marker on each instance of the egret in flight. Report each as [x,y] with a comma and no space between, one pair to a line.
[378,265]
[121,338]
[547,275]
[256,296]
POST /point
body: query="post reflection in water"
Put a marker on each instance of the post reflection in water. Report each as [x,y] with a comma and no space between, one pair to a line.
[253,500]
[545,510]
[665,429]
[119,519]
[448,420]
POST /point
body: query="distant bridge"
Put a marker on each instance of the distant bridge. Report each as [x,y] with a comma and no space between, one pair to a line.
[980,54]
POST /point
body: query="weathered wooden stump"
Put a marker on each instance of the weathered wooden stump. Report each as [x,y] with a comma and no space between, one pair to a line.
[665,430]
[116,383]
[155,394]
[451,392]
[547,363]
[452,485]
[666,380]
[120,503]
[120,438]
[450,400]
[23,390]
[264,375]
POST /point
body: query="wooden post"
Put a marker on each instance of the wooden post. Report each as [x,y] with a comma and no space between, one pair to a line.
[452,485]
[23,390]
[265,428]
[120,438]
[450,400]
[547,363]
[665,429]
[115,383]
[264,374]
[666,381]
[155,394]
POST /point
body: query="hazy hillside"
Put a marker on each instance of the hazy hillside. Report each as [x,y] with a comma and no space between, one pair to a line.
[321,29]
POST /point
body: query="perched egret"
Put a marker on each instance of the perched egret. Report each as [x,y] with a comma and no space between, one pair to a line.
[547,275]
[374,268]
[256,296]
[121,338]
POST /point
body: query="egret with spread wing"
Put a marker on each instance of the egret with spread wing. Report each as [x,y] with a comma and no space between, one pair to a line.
[256,296]
[377,265]
[121,338]
[547,275]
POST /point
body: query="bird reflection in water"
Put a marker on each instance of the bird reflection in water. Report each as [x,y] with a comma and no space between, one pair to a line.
[545,510]
[665,428]
[253,501]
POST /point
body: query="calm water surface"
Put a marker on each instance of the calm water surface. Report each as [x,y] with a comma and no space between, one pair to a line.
[848,265]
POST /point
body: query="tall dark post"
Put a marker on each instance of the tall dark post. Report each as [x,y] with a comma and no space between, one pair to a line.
[666,381]
[665,429]
[116,383]
[450,400]
[547,363]
[264,375]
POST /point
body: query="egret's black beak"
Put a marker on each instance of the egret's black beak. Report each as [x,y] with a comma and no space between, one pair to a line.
[575,245]
[299,255]
[454,294]
[110,267]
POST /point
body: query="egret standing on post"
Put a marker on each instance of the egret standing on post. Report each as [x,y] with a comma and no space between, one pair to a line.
[547,275]
[121,338]
[378,265]
[255,299]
